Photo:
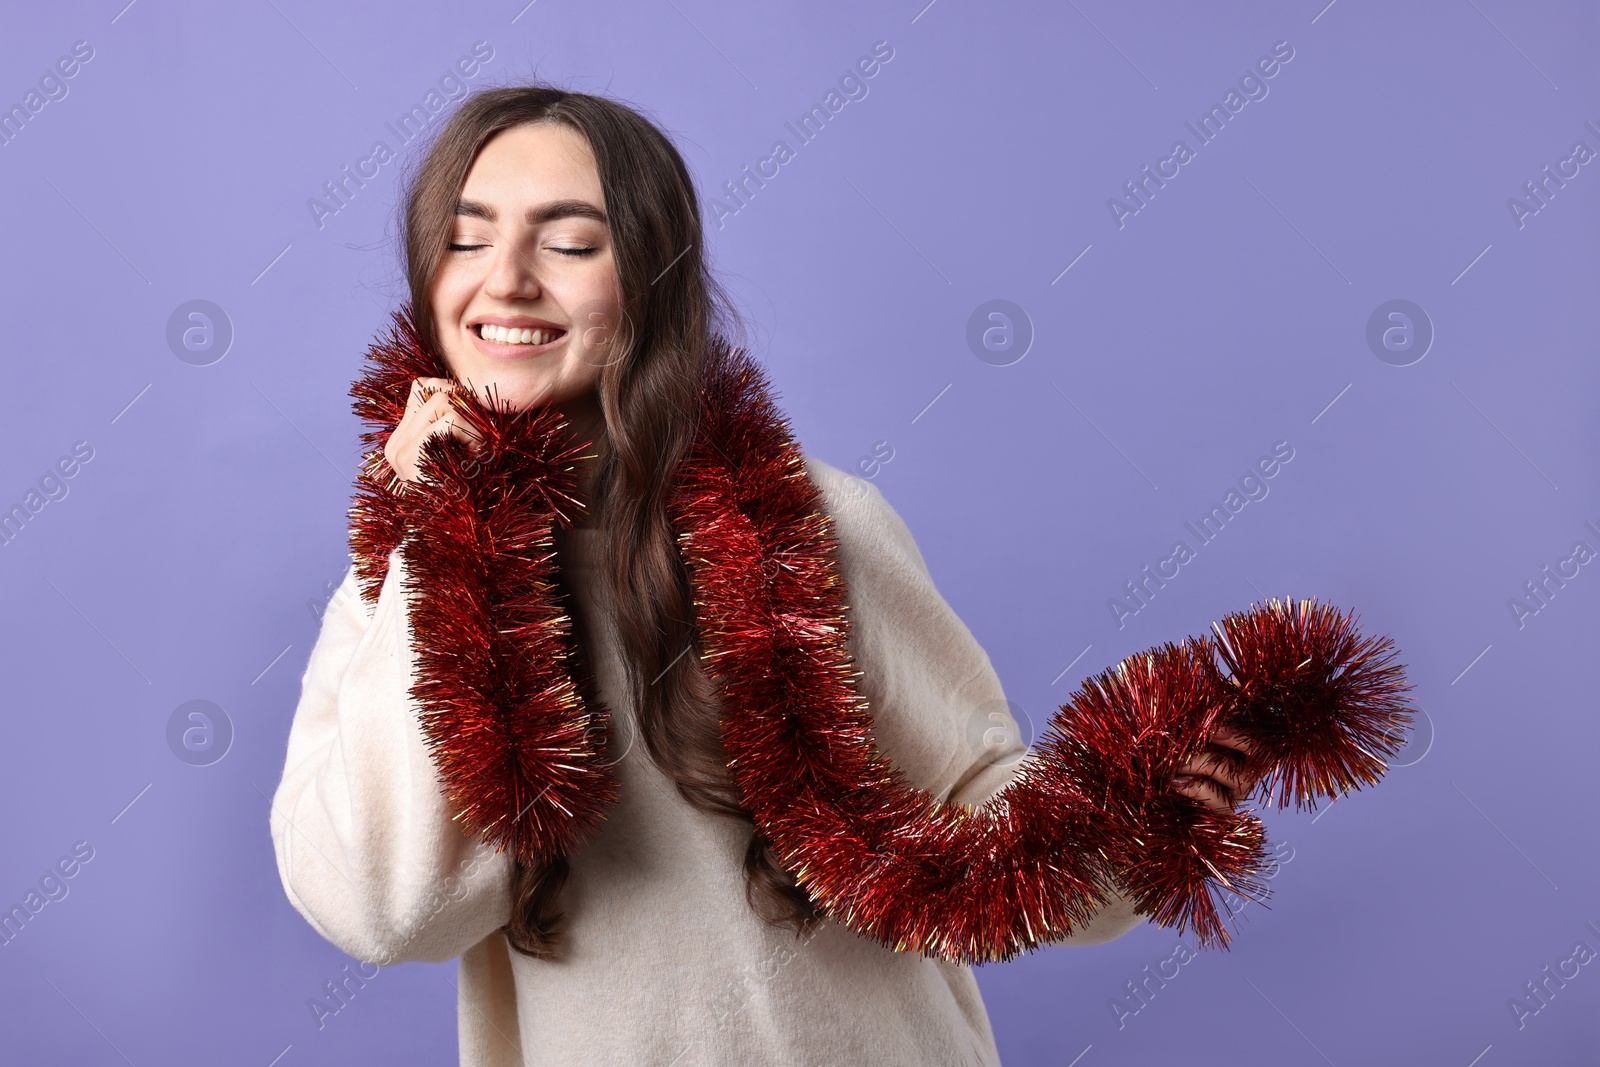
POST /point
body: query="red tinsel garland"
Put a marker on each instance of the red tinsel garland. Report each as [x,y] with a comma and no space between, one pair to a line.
[519,739]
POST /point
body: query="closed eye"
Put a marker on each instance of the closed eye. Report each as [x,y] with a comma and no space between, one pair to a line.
[564,251]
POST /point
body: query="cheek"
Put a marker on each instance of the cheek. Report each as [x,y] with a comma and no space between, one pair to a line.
[594,323]
[585,362]
[452,289]
[600,290]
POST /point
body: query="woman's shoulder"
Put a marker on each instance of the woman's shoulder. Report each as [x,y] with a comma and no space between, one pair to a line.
[842,489]
[864,522]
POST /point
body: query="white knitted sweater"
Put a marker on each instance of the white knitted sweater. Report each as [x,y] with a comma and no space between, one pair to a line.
[665,962]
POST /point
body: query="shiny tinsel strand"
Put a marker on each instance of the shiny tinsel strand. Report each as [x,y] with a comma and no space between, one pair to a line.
[1092,810]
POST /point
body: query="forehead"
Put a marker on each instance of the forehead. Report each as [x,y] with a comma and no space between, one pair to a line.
[531,164]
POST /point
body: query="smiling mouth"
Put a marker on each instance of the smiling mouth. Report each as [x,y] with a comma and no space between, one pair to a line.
[500,335]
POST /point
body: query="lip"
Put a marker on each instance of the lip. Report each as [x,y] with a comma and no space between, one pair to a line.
[495,350]
[515,322]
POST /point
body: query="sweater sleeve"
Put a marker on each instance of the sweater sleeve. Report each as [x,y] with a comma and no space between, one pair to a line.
[939,711]
[366,847]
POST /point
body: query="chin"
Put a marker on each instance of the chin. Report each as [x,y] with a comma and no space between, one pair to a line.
[522,395]
[528,395]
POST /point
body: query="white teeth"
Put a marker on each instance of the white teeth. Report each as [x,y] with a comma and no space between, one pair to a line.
[502,335]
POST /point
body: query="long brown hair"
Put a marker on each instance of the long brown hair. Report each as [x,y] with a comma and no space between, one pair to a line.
[672,308]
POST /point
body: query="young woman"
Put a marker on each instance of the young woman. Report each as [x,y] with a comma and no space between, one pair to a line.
[556,262]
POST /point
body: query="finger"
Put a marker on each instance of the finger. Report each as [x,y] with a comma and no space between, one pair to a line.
[462,428]
[1215,759]
[420,423]
[1204,787]
[442,421]
[449,421]
[435,407]
[1244,757]
[419,395]
[1206,790]
[1218,764]
[424,389]
[1234,746]
[1233,774]
[1229,737]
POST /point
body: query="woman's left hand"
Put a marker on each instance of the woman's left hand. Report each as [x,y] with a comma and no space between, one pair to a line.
[1213,776]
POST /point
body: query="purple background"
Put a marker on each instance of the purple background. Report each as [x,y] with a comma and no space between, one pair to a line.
[191,554]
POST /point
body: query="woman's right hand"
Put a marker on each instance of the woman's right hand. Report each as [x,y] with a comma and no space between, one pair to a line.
[428,412]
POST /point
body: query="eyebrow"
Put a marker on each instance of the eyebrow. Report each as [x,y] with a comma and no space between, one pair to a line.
[555,209]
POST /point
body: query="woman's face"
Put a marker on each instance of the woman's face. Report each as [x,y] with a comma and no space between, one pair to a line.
[530,253]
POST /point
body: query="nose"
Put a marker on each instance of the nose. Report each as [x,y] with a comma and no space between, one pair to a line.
[512,275]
